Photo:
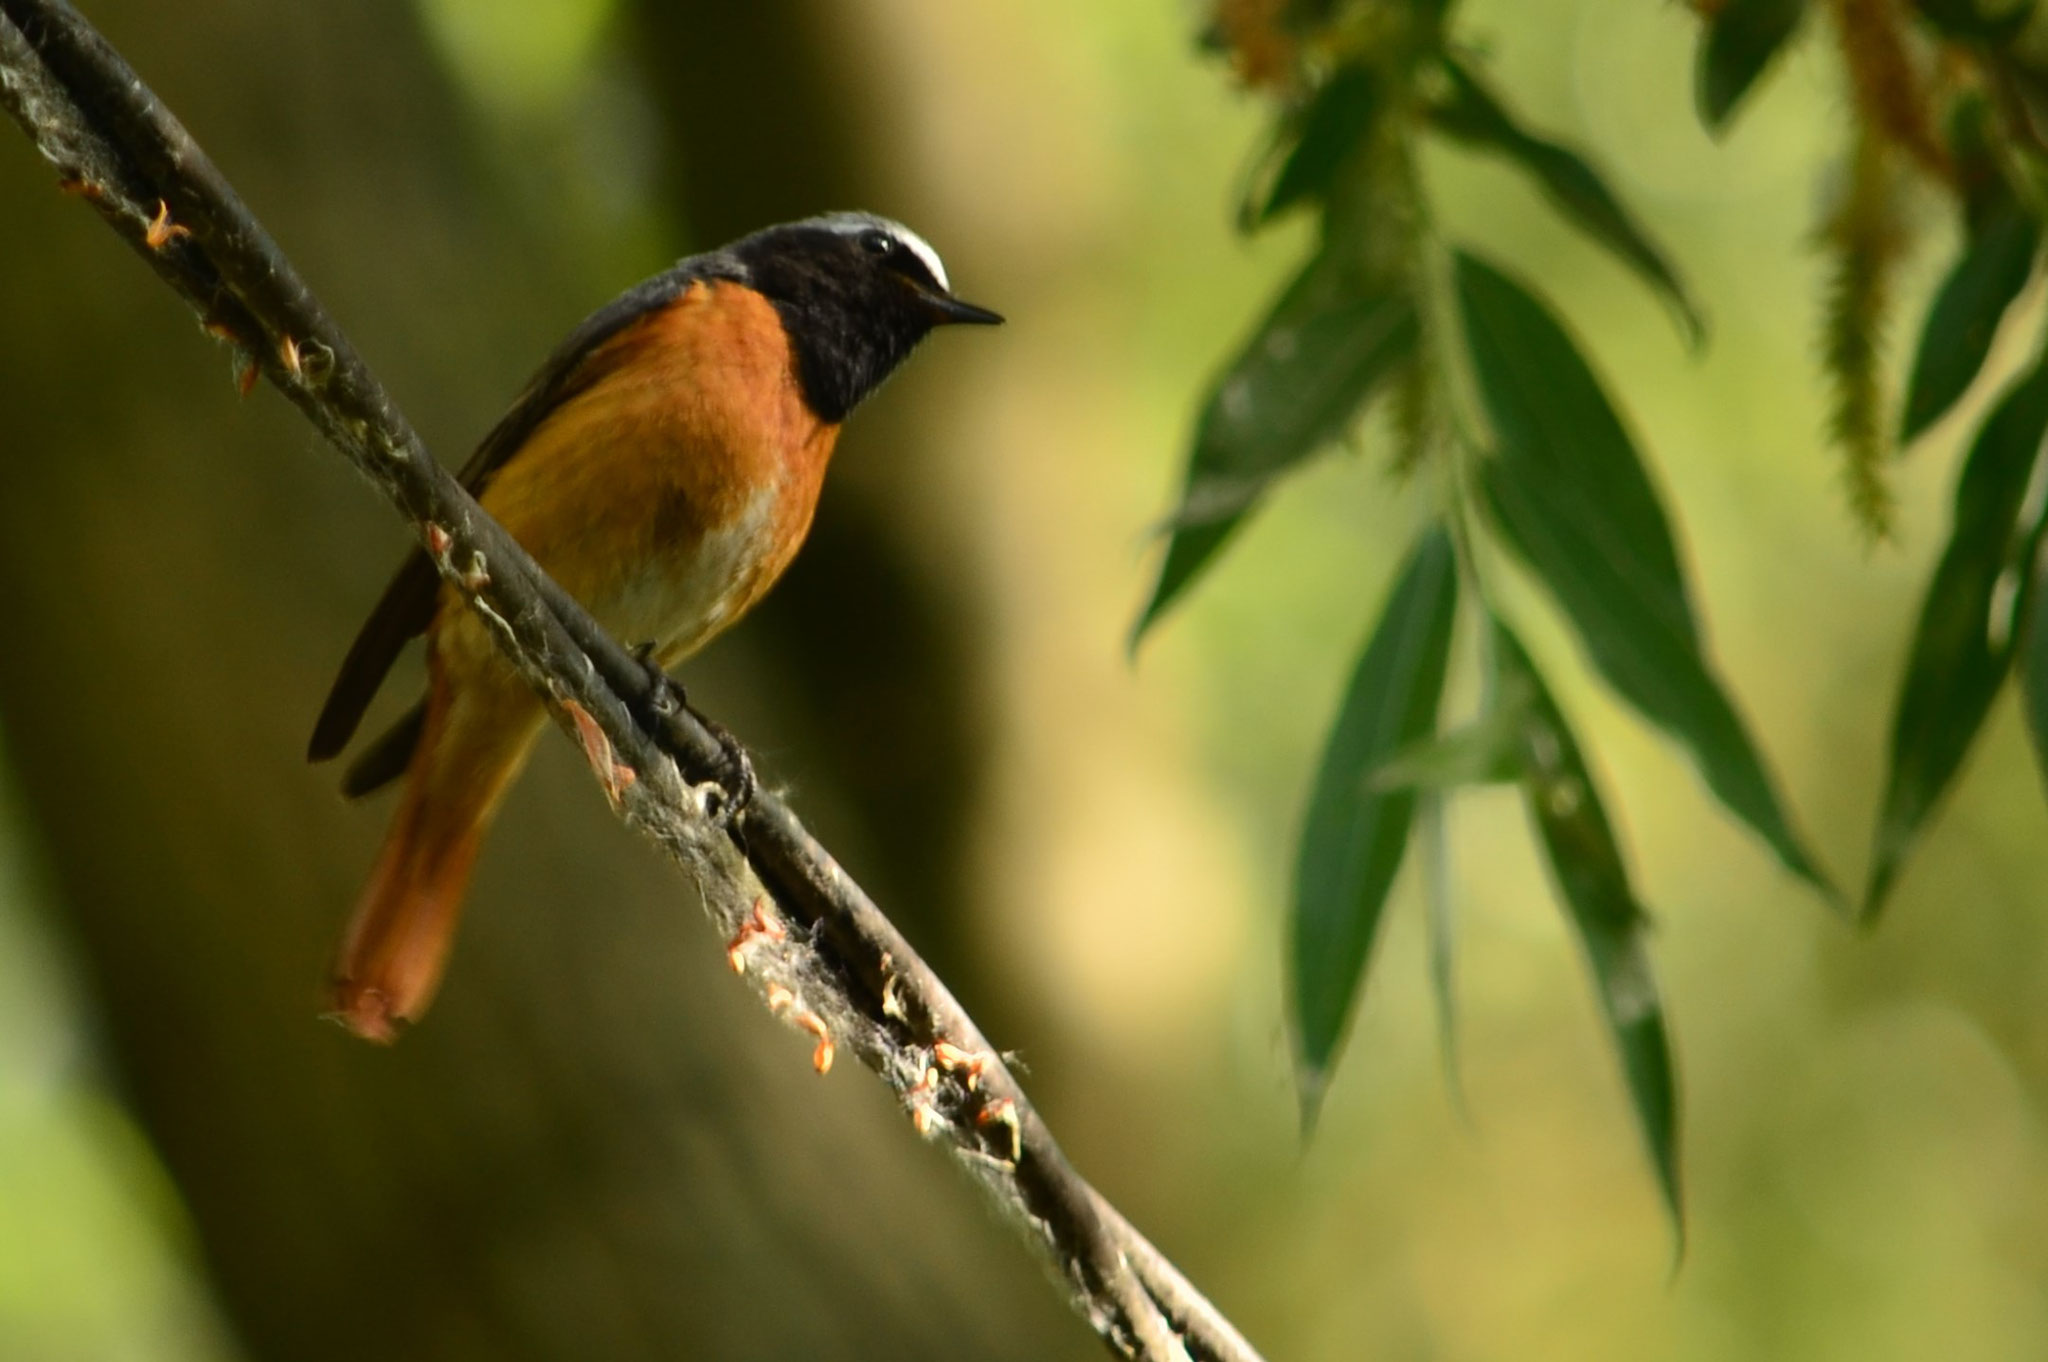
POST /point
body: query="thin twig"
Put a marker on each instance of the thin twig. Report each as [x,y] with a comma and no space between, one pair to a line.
[815,946]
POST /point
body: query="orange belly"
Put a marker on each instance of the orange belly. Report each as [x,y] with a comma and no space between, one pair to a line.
[671,493]
[667,496]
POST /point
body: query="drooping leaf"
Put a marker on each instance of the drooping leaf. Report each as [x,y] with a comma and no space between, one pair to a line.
[1569,490]
[1303,379]
[1255,177]
[1592,879]
[1337,120]
[1353,836]
[1976,139]
[1739,42]
[1988,274]
[1187,553]
[1474,114]
[1487,751]
[1964,643]
[2033,660]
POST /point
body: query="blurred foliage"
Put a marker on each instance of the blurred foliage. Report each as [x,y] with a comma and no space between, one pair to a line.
[598,1147]
[1528,461]
[528,66]
[96,1258]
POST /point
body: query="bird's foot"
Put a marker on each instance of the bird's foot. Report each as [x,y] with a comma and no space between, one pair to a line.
[737,782]
[665,695]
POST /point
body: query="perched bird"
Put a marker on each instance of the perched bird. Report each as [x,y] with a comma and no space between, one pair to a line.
[662,466]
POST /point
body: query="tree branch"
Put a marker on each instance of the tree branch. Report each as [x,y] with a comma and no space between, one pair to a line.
[817,949]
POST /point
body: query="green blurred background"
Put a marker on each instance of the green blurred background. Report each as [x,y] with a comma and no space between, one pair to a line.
[597,1147]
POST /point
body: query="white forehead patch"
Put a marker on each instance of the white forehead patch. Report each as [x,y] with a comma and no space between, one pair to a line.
[853,224]
[922,249]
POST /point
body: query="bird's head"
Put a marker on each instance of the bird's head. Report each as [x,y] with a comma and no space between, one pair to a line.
[856,293]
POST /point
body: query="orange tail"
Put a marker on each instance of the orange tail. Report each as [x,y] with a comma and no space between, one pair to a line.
[397,943]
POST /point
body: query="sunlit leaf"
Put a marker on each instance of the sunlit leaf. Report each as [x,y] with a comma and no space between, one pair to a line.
[1353,835]
[1569,490]
[1474,114]
[1964,643]
[1333,126]
[1586,861]
[1303,379]
[1990,272]
[1739,42]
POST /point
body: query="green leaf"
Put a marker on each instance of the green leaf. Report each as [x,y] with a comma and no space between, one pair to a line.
[1336,121]
[1189,551]
[2033,660]
[1353,836]
[1332,338]
[1569,490]
[1964,643]
[1990,272]
[1739,42]
[1474,114]
[1487,751]
[1976,138]
[1586,862]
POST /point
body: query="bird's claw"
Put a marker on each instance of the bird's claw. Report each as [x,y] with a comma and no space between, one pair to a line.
[664,693]
[737,782]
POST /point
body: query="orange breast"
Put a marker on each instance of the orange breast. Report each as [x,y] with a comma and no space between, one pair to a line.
[671,492]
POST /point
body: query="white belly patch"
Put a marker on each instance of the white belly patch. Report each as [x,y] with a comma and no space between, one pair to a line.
[679,601]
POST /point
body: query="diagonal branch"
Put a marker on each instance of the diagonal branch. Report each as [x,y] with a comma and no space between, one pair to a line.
[816,947]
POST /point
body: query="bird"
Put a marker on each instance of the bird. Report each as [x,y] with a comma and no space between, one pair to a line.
[662,466]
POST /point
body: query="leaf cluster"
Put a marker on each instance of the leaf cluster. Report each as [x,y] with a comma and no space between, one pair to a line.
[1533,470]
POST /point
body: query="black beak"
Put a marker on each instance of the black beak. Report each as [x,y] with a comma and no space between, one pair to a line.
[950,311]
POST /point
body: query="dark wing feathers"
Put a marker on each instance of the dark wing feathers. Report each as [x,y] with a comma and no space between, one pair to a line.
[404,610]
[385,760]
[566,374]
[408,603]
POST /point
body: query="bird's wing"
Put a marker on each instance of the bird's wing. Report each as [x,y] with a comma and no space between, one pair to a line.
[407,606]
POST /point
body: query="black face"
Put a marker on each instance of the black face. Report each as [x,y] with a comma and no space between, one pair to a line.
[855,299]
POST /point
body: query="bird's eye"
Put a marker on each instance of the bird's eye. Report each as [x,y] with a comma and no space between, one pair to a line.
[878,244]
